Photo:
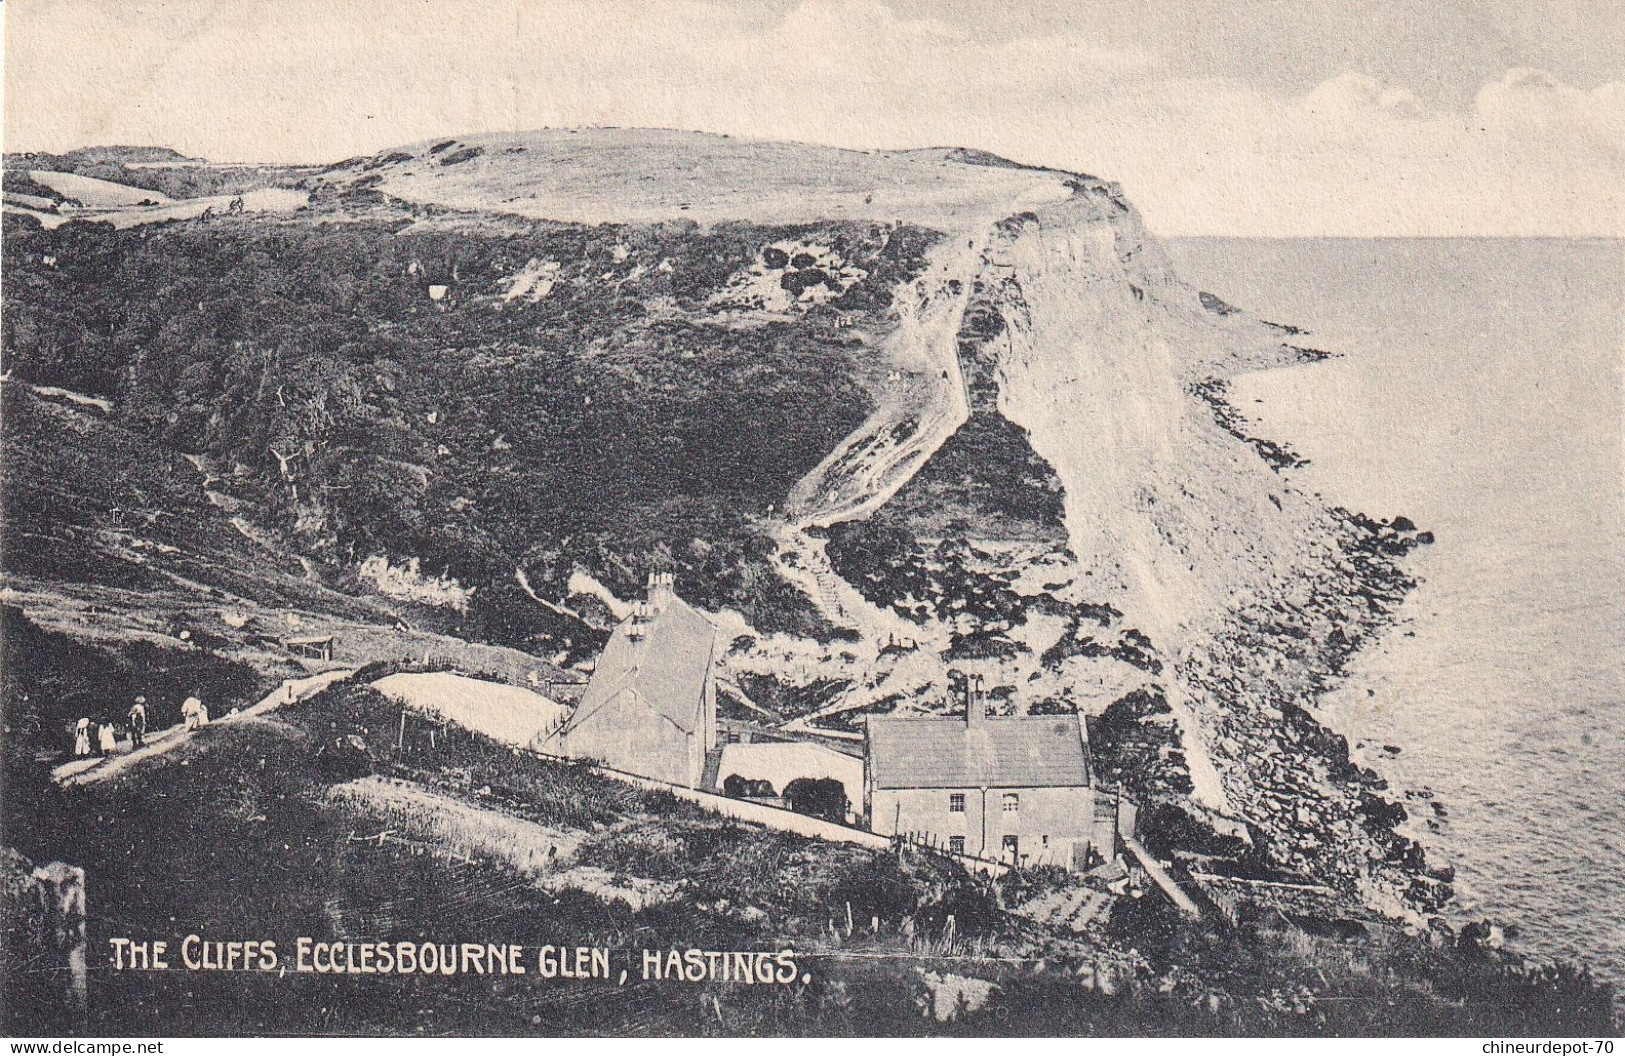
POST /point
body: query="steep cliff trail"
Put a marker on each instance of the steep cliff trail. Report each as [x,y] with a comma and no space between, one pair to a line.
[925,401]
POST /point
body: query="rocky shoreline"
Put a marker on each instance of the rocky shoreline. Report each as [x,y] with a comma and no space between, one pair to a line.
[1254,685]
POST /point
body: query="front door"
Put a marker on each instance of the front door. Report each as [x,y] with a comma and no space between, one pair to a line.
[1012,850]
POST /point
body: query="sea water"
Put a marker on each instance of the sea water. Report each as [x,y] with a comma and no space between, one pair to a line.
[1479,394]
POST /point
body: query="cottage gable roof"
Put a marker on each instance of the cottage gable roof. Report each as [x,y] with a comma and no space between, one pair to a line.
[1033,751]
[664,668]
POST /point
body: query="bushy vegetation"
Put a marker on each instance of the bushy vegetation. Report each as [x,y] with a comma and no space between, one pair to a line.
[615,424]
[1134,745]
[20,181]
[893,567]
[80,491]
[986,482]
[1479,1001]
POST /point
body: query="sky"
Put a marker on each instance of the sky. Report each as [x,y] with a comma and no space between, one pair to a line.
[1243,117]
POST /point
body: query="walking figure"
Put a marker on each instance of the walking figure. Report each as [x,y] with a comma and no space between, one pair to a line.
[192,713]
[105,738]
[138,723]
[81,737]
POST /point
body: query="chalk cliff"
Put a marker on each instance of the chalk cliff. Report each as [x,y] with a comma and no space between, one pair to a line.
[1249,589]
[889,416]
[1193,586]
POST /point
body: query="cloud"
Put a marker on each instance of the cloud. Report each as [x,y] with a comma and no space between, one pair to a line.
[866,41]
[1535,104]
[1349,95]
[1354,156]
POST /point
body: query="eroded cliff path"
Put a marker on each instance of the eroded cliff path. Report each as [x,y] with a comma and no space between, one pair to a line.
[925,399]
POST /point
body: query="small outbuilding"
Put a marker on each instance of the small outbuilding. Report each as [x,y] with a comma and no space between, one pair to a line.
[651,707]
[312,647]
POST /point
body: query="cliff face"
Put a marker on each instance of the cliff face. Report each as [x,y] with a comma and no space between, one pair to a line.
[1163,510]
[1196,600]
[1250,591]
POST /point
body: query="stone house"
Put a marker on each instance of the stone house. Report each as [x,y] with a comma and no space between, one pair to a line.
[1016,790]
[651,706]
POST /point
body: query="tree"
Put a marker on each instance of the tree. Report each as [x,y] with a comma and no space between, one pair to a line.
[737,787]
[822,797]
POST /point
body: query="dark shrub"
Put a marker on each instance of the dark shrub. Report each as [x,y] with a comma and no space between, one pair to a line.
[344,758]
[798,282]
[822,797]
[973,905]
[742,788]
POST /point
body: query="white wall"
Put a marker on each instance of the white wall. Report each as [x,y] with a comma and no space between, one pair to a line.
[1065,816]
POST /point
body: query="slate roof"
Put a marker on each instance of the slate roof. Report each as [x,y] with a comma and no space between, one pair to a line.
[1032,751]
[665,669]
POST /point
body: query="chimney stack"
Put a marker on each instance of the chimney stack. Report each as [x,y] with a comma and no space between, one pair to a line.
[636,627]
[975,702]
[662,588]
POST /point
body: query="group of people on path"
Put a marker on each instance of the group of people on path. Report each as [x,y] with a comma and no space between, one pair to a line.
[101,737]
[102,734]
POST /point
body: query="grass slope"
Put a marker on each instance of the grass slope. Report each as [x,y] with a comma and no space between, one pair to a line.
[595,175]
[287,856]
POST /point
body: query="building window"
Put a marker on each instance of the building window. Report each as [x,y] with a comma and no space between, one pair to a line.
[1012,802]
[956,844]
[956,803]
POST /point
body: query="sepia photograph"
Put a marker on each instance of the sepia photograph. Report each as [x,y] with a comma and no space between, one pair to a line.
[812,518]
